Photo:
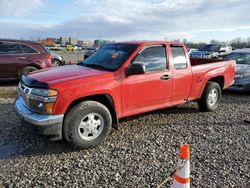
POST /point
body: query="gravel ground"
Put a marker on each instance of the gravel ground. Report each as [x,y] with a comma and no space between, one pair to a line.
[140,154]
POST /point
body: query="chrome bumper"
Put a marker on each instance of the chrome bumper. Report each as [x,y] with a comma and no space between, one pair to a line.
[35,118]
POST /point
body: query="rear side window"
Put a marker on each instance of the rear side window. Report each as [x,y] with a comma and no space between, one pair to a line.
[28,50]
[10,48]
[154,58]
[179,58]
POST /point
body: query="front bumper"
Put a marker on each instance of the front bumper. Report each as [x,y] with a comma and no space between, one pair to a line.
[49,125]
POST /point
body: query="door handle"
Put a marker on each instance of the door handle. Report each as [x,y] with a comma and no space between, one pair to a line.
[165,77]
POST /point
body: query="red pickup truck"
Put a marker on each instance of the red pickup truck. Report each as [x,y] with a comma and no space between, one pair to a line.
[82,102]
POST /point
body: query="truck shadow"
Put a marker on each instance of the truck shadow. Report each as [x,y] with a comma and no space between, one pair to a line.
[183,109]
[17,141]
[9,82]
[235,93]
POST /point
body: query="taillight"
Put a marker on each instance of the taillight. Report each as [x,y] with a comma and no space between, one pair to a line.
[49,58]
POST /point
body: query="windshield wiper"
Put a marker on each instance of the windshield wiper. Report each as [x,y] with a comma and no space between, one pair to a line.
[96,66]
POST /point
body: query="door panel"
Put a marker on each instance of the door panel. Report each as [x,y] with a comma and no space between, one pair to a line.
[182,81]
[10,58]
[182,75]
[151,90]
[141,93]
[9,65]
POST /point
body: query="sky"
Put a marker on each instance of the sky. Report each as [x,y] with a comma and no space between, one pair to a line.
[194,20]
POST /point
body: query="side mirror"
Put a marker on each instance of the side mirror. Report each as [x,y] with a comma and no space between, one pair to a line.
[135,68]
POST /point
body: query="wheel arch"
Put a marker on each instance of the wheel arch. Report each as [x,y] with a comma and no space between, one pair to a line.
[218,79]
[56,59]
[104,99]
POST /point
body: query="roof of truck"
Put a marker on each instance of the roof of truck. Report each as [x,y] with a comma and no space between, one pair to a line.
[149,42]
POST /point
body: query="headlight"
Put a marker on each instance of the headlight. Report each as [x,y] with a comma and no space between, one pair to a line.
[38,100]
[46,95]
[42,100]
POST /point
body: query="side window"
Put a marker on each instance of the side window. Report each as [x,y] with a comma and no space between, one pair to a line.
[154,58]
[28,50]
[179,58]
[9,48]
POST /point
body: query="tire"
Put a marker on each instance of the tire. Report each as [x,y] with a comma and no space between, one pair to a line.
[87,124]
[27,70]
[211,97]
[56,62]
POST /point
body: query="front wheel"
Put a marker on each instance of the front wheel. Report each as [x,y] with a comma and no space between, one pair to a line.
[87,124]
[210,97]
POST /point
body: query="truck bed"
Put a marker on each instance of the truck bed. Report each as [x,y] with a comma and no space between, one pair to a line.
[202,69]
[201,61]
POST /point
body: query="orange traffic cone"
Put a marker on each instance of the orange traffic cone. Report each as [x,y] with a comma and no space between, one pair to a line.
[182,174]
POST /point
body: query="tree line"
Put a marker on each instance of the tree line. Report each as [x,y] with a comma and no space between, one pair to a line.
[235,43]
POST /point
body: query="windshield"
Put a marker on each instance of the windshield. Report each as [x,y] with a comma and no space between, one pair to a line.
[110,57]
[240,58]
[211,48]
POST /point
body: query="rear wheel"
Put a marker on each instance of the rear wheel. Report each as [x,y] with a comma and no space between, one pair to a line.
[211,97]
[87,124]
[27,70]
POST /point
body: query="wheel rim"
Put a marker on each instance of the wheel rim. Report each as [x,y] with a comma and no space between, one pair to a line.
[91,126]
[213,97]
[29,70]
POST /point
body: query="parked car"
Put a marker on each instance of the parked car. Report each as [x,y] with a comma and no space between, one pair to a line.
[242,77]
[70,47]
[212,51]
[82,102]
[190,50]
[57,59]
[88,52]
[54,48]
[78,47]
[22,57]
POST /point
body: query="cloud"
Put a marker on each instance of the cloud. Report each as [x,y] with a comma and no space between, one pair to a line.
[19,8]
[146,19]
[163,18]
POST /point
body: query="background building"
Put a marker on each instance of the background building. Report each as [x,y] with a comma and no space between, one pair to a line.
[64,41]
[73,40]
[80,42]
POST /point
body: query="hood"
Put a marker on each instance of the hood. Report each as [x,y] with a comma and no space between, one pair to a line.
[242,69]
[203,52]
[64,73]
